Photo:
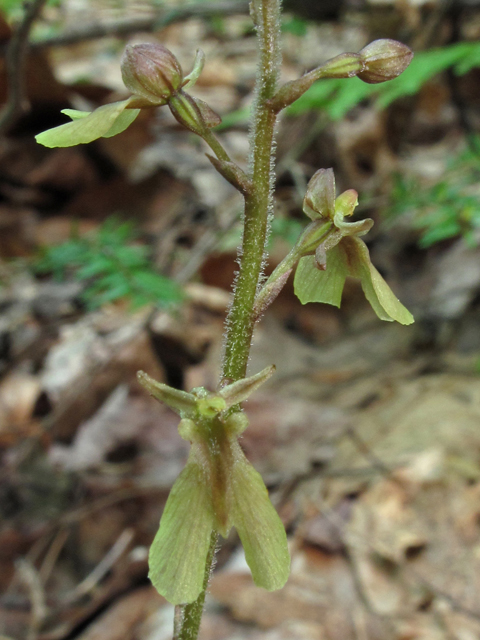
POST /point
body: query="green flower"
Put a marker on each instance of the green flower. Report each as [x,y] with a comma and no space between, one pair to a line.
[154,76]
[218,489]
[340,253]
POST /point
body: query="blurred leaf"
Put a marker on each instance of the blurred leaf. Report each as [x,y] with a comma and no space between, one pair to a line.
[446,209]
[295,25]
[111,266]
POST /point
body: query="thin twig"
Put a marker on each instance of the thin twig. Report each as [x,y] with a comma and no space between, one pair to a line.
[104,566]
[29,577]
[16,59]
[164,18]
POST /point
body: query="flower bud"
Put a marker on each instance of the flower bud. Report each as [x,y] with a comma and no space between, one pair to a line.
[151,72]
[384,60]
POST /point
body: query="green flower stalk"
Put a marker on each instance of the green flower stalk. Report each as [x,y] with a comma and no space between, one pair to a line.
[218,489]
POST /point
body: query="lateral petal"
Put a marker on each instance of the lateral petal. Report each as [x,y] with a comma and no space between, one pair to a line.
[240,390]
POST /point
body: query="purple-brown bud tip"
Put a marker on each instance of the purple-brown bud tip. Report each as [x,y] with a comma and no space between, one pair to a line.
[384,60]
[151,72]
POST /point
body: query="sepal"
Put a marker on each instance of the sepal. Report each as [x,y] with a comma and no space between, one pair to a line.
[319,201]
[182,402]
[240,390]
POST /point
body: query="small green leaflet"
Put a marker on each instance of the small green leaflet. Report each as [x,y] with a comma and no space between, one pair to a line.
[106,121]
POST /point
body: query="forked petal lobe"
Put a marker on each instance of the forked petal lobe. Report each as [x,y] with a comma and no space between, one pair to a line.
[314,285]
[384,302]
[259,527]
[179,551]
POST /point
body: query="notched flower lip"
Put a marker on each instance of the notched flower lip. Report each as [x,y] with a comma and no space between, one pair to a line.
[218,489]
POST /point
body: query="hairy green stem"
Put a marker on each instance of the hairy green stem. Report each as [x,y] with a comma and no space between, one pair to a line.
[241,319]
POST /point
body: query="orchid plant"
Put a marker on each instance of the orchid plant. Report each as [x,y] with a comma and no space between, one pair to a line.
[219,489]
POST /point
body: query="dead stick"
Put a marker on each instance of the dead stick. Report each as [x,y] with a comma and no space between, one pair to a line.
[164,18]
[15,64]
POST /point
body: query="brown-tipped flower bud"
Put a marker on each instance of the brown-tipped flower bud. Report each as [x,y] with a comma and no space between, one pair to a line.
[384,60]
[151,72]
